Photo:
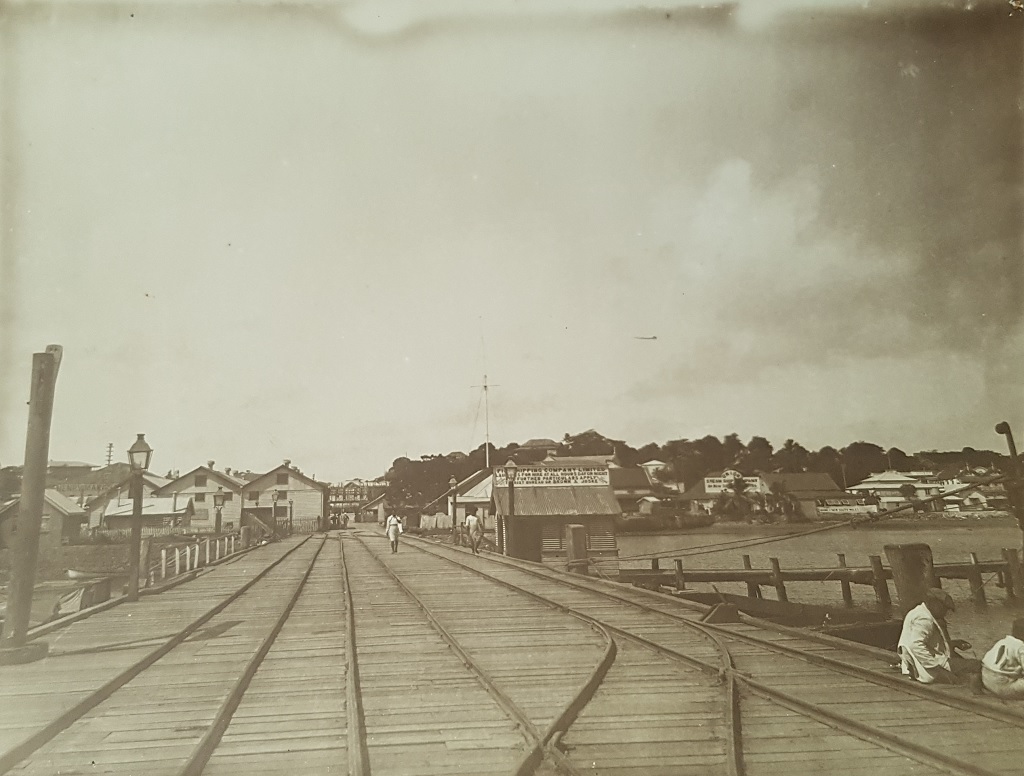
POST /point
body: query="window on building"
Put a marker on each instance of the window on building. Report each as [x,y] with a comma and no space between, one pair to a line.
[200,480]
[282,495]
[282,478]
[229,496]
[280,511]
[253,495]
[200,497]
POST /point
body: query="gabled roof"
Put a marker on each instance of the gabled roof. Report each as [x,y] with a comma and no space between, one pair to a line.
[55,499]
[802,482]
[578,460]
[539,443]
[292,472]
[654,463]
[152,505]
[374,502]
[635,478]
[232,483]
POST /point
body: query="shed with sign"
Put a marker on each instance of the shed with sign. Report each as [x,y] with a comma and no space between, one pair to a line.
[534,504]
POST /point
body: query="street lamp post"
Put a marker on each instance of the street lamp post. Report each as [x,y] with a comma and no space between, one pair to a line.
[139,456]
[453,486]
[273,511]
[510,476]
[291,514]
[218,503]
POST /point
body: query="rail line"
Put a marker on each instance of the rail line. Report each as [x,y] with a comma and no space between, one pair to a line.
[539,742]
[794,689]
[195,760]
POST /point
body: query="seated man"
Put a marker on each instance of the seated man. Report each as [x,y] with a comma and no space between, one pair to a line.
[1002,668]
[925,649]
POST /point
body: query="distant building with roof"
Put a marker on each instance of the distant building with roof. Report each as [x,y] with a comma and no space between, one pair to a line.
[816,493]
[200,486]
[299,498]
[158,512]
[62,522]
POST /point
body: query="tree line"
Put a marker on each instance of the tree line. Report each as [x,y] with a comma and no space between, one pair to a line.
[417,483]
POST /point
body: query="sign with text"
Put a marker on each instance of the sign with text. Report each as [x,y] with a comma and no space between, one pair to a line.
[553,476]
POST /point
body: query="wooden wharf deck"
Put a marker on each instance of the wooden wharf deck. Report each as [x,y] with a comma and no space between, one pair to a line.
[467,664]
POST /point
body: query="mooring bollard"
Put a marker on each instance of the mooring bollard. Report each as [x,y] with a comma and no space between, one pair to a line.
[780,586]
[974,578]
[680,580]
[845,583]
[879,582]
[753,589]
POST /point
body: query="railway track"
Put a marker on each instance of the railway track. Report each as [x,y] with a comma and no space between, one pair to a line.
[148,717]
[782,703]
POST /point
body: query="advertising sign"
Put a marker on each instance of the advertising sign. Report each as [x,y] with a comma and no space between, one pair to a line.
[553,476]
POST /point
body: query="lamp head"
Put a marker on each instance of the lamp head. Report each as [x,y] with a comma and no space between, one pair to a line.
[140,454]
[218,498]
[452,482]
[510,471]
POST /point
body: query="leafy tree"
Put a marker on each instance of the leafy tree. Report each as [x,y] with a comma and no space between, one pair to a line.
[734,503]
[791,457]
[758,456]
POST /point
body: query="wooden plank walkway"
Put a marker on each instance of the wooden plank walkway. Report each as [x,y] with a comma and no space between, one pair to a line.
[466,664]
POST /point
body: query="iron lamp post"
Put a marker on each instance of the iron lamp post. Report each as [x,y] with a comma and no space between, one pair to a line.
[453,486]
[140,454]
[218,503]
[510,475]
[273,511]
[291,515]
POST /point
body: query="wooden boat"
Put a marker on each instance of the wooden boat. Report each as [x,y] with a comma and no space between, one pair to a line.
[77,574]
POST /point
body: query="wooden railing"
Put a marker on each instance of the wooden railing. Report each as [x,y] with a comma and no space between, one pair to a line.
[183,558]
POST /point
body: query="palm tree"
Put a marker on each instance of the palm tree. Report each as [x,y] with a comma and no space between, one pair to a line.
[783,501]
[733,502]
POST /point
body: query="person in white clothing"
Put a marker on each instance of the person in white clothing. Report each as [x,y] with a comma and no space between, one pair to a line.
[925,649]
[475,528]
[1002,668]
[393,528]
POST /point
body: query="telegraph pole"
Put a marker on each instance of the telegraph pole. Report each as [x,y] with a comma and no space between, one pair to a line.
[14,647]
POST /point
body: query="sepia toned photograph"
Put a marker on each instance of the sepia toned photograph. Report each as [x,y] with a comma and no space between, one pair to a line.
[395,388]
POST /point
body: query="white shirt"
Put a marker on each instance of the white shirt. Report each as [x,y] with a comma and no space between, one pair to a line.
[1006,657]
[922,646]
[472,523]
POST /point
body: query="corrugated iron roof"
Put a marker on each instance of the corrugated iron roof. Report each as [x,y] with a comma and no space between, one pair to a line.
[568,501]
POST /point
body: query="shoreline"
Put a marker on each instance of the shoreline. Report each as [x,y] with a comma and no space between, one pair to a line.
[896,524]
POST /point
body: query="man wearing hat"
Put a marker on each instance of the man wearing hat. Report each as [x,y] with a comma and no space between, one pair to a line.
[925,649]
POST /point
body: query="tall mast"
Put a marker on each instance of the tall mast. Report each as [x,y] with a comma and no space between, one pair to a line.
[487,427]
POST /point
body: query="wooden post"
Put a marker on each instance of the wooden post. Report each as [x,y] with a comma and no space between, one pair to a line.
[576,548]
[845,583]
[753,589]
[974,578]
[207,552]
[163,563]
[780,586]
[1013,573]
[912,572]
[24,553]
[879,582]
[177,561]
[680,580]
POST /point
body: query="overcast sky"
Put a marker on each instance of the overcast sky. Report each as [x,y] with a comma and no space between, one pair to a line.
[264,234]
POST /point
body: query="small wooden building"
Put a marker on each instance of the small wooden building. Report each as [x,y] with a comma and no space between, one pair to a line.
[532,514]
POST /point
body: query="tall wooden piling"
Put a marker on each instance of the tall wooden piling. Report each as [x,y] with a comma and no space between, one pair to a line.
[576,548]
[1014,583]
[913,572]
[974,578]
[879,582]
[753,589]
[780,586]
[845,583]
